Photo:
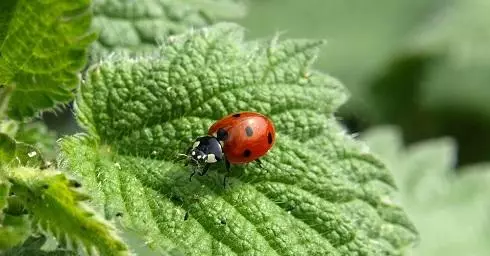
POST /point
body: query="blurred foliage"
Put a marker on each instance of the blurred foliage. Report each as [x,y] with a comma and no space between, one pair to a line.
[449,209]
[422,65]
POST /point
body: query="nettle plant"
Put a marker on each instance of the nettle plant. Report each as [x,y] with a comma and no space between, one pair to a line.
[319,192]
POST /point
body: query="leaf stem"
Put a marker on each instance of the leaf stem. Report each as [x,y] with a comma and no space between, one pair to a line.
[5,94]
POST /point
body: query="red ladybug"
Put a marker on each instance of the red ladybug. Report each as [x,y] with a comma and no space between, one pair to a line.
[236,138]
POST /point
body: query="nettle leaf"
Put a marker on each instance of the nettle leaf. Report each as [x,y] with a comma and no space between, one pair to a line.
[440,199]
[56,206]
[38,135]
[42,47]
[9,127]
[14,229]
[7,149]
[317,194]
[136,27]
[4,191]
[32,246]
[13,153]
[14,226]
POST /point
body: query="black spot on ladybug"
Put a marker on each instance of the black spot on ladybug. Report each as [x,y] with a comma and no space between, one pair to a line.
[222,134]
[247,153]
[236,115]
[269,138]
[249,131]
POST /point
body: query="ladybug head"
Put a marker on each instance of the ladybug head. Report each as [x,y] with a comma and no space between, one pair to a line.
[206,149]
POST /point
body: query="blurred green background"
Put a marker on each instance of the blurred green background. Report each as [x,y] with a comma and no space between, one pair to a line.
[421,65]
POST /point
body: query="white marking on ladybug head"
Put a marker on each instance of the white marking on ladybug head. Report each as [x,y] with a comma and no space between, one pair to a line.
[196,143]
[211,158]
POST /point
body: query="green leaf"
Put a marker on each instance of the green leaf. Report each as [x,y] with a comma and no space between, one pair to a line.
[9,127]
[32,133]
[14,224]
[32,246]
[56,206]
[439,200]
[14,229]
[317,194]
[14,153]
[136,27]
[4,192]
[42,46]
[38,135]
[7,149]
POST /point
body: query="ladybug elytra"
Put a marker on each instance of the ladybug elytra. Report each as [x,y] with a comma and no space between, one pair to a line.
[237,138]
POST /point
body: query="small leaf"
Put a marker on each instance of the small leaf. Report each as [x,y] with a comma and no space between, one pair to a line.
[439,200]
[9,127]
[135,27]
[319,193]
[4,192]
[7,149]
[32,133]
[38,135]
[14,225]
[42,46]
[32,246]
[13,230]
[14,153]
[57,209]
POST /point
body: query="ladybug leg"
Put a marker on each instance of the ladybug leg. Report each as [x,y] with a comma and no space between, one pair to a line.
[224,181]
[192,174]
[259,162]
[204,170]
[228,171]
[227,166]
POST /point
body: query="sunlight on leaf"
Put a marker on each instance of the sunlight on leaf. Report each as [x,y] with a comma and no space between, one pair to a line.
[42,49]
[318,193]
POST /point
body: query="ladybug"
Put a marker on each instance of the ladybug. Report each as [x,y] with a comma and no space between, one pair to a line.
[237,138]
